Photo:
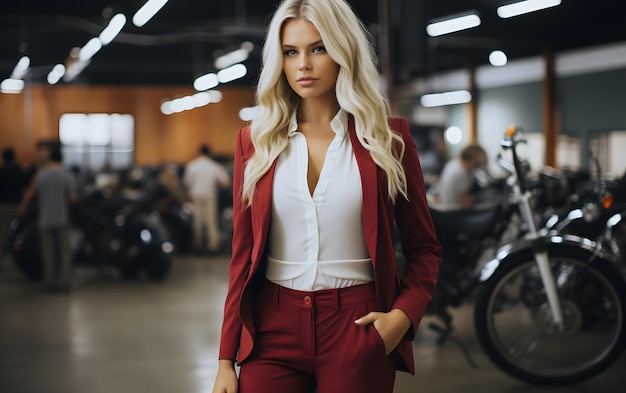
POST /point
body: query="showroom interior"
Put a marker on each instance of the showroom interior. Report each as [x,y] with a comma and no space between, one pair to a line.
[129,90]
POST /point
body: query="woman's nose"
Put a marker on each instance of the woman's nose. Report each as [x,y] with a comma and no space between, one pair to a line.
[304,63]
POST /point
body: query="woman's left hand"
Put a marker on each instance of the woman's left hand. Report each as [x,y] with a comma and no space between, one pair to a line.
[391,326]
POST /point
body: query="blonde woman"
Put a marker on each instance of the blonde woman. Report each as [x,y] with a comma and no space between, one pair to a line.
[315,300]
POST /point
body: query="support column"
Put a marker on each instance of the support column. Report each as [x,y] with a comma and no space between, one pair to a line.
[472,106]
[384,45]
[550,133]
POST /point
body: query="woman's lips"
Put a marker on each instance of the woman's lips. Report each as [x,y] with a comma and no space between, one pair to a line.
[305,82]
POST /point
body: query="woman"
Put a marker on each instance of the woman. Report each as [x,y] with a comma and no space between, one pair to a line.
[314,298]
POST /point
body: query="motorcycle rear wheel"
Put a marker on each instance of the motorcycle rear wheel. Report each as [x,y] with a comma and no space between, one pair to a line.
[514,323]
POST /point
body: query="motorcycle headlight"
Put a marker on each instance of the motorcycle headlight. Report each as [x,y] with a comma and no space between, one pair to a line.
[145,236]
[591,211]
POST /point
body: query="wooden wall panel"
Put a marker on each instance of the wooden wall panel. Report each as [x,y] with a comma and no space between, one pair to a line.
[34,115]
[12,125]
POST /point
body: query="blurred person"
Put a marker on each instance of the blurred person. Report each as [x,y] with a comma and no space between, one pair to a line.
[54,189]
[12,178]
[40,160]
[203,179]
[171,181]
[457,177]
[315,299]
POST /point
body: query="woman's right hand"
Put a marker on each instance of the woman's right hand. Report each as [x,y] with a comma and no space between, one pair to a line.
[226,380]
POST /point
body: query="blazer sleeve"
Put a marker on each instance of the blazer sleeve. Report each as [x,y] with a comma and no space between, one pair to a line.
[418,237]
[241,252]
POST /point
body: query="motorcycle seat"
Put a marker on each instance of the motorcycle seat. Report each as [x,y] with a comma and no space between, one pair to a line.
[475,223]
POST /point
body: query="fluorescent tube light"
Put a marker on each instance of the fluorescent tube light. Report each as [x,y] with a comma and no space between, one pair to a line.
[91,48]
[524,7]
[20,68]
[201,99]
[166,108]
[216,96]
[145,13]
[231,73]
[249,113]
[238,56]
[56,74]
[113,29]
[448,98]
[454,24]
[12,86]
[206,82]
[190,102]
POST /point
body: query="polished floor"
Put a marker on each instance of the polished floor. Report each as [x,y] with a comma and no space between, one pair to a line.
[114,336]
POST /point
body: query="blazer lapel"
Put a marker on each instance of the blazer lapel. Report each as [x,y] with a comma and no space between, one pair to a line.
[368,170]
[261,213]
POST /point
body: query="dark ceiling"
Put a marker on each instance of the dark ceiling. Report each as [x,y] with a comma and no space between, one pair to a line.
[182,40]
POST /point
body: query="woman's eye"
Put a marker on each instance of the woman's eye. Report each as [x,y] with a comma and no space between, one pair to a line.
[319,49]
[290,52]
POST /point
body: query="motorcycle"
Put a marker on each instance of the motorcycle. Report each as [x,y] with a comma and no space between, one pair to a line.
[596,212]
[106,231]
[550,308]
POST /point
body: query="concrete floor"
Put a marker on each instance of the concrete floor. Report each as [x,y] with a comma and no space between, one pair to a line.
[138,336]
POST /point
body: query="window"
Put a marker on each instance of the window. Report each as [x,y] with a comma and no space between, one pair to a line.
[97,140]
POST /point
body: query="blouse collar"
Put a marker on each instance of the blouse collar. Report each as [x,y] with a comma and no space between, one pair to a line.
[339,124]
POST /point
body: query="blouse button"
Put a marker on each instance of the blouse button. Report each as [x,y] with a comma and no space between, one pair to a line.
[307,300]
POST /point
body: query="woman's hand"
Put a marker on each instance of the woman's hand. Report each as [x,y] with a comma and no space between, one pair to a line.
[391,326]
[226,380]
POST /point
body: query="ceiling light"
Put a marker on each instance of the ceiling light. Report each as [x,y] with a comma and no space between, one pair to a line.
[206,82]
[238,56]
[190,102]
[12,86]
[216,96]
[247,114]
[20,68]
[56,74]
[166,108]
[201,99]
[231,73]
[497,58]
[454,135]
[91,48]
[113,29]
[453,24]
[145,13]
[524,7]
[448,98]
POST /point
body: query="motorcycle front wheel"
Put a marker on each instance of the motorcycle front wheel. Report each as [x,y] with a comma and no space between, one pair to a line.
[515,327]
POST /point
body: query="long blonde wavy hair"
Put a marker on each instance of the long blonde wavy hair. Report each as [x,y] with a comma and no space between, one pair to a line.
[358,91]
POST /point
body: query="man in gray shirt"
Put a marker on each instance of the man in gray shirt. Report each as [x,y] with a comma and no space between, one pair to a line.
[55,190]
[458,175]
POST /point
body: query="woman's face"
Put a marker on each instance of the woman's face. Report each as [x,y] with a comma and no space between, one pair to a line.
[309,70]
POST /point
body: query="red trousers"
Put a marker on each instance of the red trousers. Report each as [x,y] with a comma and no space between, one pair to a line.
[306,340]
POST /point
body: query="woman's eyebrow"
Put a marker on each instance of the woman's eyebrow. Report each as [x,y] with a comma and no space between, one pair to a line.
[319,42]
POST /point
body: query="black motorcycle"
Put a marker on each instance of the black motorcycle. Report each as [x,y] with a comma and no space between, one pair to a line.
[106,231]
[550,309]
[594,211]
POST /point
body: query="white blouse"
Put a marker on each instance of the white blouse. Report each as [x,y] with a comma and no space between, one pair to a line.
[316,242]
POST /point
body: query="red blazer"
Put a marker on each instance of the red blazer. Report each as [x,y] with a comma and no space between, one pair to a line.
[411,293]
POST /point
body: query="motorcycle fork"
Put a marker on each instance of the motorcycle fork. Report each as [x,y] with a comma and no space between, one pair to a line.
[540,253]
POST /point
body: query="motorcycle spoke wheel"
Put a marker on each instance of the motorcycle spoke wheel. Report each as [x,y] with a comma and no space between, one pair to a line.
[515,326]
